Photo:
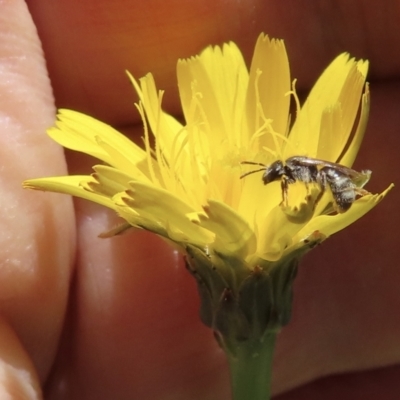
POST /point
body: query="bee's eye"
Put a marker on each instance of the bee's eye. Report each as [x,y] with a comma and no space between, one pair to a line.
[273,172]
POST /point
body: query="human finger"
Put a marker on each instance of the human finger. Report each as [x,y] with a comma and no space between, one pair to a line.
[37,240]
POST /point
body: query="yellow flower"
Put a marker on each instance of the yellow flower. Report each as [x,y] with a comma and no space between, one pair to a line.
[241,242]
[188,188]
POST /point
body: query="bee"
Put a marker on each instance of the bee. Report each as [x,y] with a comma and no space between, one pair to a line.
[345,183]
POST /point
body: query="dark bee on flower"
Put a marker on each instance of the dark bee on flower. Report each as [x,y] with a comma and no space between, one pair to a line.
[345,183]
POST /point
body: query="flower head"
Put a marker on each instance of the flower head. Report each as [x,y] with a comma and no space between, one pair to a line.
[188,187]
[242,238]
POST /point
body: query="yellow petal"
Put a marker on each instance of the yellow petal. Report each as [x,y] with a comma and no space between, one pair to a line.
[125,161]
[232,233]
[107,181]
[212,88]
[72,185]
[269,84]
[277,229]
[257,199]
[340,78]
[164,126]
[334,135]
[77,131]
[134,219]
[177,152]
[352,151]
[160,206]
[330,224]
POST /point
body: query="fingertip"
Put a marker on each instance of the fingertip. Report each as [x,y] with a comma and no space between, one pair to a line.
[16,384]
[18,378]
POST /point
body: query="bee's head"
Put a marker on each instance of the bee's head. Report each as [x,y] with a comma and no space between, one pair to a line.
[273,172]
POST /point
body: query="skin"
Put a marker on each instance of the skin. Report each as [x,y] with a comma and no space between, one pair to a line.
[89,318]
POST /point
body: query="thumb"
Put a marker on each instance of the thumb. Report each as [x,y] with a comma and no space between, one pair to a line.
[18,379]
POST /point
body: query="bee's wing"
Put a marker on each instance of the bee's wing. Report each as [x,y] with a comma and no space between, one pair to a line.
[358,178]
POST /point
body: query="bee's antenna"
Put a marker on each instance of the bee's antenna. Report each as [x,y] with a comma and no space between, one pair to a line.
[253,163]
[252,172]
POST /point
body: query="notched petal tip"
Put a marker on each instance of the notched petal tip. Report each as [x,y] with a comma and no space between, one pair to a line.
[73,185]
[232,233]
[158,207]
[276,250]
[30,184]
[303,210]
[330,224]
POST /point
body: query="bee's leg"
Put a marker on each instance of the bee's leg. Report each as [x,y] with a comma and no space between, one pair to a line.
[343,189]
[344,197]
[285,190]
[307,188]
[361,192]
[322,182]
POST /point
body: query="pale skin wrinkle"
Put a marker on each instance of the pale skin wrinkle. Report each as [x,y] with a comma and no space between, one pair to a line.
[132,330]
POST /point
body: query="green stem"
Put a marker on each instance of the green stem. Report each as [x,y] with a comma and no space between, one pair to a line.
[251,368]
